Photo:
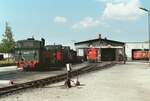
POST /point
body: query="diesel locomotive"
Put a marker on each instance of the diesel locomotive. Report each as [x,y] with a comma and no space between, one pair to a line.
[33,55]
[92,55]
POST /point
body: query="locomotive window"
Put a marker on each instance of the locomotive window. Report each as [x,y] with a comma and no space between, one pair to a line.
[35,53]
[19,45]
[28,44]
[17,54]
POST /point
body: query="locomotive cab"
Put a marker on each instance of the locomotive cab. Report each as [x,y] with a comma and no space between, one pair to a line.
[27,53]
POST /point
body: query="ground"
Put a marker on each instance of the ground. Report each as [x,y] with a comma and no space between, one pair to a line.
[129,82]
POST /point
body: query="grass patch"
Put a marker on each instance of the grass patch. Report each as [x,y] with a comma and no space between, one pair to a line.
[7,63]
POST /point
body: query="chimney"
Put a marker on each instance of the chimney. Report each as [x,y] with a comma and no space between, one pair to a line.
[100,36]
[43,41]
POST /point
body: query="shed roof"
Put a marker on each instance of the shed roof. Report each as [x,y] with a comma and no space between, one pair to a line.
[98,39]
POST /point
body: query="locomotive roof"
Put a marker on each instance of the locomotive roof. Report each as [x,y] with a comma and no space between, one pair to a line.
[100,39]
[29,43]
[29,39]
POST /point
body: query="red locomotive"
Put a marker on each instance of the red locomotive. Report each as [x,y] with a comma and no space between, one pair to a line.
[92,55]
[140,54]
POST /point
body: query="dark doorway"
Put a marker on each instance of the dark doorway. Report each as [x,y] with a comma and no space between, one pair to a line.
[108,54]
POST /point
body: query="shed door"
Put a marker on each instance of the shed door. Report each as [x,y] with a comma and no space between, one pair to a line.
[108,54]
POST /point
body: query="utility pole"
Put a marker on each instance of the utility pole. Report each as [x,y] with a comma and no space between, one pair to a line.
[148,11]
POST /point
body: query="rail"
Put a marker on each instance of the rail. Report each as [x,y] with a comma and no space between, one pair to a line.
[54,79]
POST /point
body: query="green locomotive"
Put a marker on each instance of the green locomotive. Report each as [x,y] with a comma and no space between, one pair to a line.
[33,55]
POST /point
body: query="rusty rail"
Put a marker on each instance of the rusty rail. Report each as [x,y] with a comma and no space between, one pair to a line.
[50,80]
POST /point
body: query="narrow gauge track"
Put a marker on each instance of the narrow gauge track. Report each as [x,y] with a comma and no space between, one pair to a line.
[54,79]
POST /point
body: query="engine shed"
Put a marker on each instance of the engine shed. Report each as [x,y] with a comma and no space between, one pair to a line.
[106,50]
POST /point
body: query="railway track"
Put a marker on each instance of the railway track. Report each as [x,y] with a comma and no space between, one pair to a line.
[54,79]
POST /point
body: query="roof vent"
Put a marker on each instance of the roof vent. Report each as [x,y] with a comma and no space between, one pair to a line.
[30,38]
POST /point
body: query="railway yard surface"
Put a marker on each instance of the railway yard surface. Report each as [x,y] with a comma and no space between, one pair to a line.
[12,73]
[7,69]
[129,82]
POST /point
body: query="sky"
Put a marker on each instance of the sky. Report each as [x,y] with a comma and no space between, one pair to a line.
[68,21]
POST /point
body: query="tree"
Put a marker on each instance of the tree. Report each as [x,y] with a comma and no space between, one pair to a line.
[8,44]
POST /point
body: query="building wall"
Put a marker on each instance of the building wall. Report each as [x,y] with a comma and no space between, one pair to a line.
[82,49]
[134,45]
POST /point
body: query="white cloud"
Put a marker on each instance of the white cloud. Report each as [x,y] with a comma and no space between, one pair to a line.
[101,0]
[87,22]
[122,10]
[60,19]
